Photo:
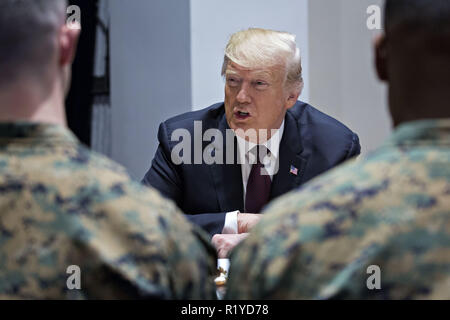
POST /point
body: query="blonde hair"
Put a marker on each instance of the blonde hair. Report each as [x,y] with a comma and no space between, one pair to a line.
[254,48]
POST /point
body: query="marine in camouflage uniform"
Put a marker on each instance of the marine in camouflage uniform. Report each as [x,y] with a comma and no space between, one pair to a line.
[63,205]
[391,210]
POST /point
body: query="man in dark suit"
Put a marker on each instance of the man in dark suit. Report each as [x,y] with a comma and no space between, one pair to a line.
[222,164]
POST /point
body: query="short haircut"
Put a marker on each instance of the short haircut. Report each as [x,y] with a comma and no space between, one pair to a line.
[28,30]
[256,48]
[430,16]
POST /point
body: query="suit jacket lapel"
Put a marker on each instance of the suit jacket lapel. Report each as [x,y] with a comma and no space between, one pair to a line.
[289,155]
[228,177]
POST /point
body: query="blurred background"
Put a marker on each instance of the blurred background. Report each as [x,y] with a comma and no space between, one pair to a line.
[143,61]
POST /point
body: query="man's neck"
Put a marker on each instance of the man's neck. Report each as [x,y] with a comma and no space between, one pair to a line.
[418,80]
[21,102]
[420,106]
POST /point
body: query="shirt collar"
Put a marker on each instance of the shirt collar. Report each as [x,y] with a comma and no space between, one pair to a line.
[430,132]
[34,132]
[273,144]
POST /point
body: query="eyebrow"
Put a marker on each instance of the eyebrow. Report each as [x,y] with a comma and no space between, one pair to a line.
[256,74]
[231,72]
[262,74]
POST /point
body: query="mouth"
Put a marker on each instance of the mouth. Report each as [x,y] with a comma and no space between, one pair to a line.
[241,115]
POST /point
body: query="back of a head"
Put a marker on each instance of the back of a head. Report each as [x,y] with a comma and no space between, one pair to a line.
[28,30]
[417,53]
[411,16]
[424,24]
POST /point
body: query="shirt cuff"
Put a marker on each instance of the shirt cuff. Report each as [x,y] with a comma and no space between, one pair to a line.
[231,224]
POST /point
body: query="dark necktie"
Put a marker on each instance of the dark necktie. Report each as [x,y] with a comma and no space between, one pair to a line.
[258,187]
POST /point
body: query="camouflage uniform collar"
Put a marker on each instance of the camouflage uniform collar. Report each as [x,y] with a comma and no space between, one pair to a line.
[38,131]
[425,131]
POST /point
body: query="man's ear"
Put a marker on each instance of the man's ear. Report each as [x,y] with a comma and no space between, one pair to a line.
[293,97]
[68,41]
[381,57]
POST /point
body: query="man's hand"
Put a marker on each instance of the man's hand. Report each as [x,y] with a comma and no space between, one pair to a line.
[246,221]
[224,243]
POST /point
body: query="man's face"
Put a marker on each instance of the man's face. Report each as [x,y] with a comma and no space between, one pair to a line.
[256,98]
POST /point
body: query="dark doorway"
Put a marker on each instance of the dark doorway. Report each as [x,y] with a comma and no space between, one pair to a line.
[80,98]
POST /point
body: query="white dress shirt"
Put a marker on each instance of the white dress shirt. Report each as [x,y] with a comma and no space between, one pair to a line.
[247,159]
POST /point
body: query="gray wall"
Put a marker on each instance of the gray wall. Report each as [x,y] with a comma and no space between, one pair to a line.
[150,75]
[343,79]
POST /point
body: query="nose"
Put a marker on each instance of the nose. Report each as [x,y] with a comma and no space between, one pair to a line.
[243,96]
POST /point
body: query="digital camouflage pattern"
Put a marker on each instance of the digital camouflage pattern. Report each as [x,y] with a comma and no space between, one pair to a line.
[63,205]
[391,209]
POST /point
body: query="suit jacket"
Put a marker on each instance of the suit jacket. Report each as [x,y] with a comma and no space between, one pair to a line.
[312,142]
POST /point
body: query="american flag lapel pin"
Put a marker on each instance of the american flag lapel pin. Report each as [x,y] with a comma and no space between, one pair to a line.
[293,170]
